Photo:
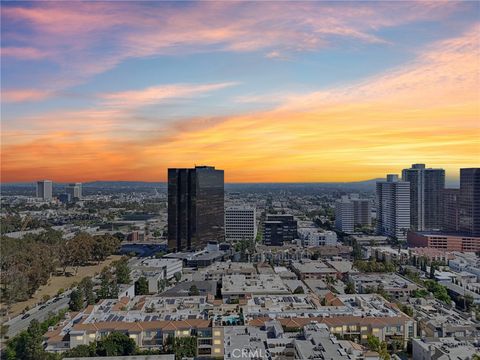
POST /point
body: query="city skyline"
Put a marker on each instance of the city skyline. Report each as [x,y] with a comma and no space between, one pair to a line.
[269,92]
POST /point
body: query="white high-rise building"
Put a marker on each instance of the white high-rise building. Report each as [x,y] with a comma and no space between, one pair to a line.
[393,207]
[350,211]
[240,223]
[74,190]
[45,189]
[426,196]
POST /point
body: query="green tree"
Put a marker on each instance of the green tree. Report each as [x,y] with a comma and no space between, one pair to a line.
[81,351]
[116,344]
[122,271]
[432,272]
[299,290]
[178,276]
[86,287]
[141,286]
[185,347]
[76,300]
[193,291]
[350,288]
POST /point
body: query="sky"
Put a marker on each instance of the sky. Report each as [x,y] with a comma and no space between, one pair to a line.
[267,91]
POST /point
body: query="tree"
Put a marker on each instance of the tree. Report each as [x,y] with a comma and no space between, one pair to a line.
[299,290]
[141,286]
[193,291]
[108,285]
[122,271]
[178,276]
[86,287]
[375,344]
[432,272]
[185,347]
[81,351]
[76,300]
[116,344]
[350,288]
[81,249]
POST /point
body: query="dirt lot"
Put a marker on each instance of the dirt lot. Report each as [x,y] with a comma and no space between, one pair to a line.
[60,282]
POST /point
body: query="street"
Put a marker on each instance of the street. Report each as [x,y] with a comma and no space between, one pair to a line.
[17,324]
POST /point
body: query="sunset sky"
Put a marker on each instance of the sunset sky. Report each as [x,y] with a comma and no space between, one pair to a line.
[269,92]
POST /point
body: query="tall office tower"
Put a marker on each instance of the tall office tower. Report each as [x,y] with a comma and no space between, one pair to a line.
[450,209]
[426,196]
[45,189]
[289,225]
[351,211]
[195,207]
[469,201]
[393,207]
[240,223]
[74,190]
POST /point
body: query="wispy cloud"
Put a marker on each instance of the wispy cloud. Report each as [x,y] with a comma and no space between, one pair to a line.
[157,94]
[70,34]
[22,95]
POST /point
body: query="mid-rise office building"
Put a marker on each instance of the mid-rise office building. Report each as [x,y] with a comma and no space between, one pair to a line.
[351,211]
[426,196]
[393,207]
[273,234]
[74,190]
[289,225]
[240,223]
[469,202]
[45,189]
[195,207]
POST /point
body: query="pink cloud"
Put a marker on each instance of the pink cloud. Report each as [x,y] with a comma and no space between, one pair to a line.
[28,53]
[157,94]
[24,95]
[70,33]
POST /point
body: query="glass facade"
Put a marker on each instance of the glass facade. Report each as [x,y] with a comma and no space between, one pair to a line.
[195,207]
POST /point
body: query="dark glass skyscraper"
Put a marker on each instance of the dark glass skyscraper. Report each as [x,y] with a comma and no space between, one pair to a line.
[469,201]
[195,207]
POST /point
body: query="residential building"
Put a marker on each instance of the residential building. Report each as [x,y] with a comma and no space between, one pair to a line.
[351,211]
[354,316]
[393,207]
[74,190]
[314,269]
[239,287]
[240,223]
[426,196]
[443,349]
[195,207]
[45,189]
[396,286]
[313,237]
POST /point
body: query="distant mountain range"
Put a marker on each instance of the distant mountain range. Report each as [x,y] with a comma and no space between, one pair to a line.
[366,185]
